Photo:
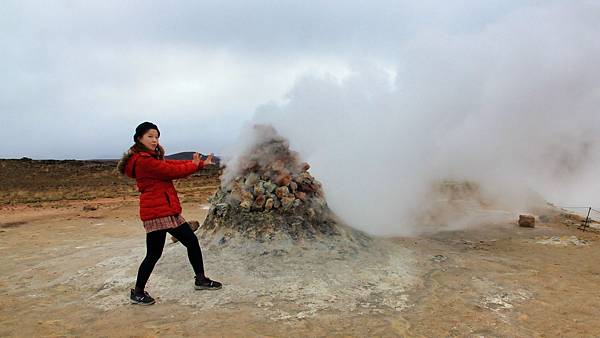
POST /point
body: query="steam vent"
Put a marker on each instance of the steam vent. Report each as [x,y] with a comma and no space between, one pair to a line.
[268,194]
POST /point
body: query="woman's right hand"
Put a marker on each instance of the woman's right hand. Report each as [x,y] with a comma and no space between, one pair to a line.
[209,159]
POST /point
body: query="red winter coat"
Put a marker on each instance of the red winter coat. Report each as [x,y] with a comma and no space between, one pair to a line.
[154,179]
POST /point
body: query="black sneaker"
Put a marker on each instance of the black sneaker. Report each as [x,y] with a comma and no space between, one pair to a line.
[144,299]
[206,283]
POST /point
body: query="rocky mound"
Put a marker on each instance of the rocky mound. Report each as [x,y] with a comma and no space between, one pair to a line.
[267,193]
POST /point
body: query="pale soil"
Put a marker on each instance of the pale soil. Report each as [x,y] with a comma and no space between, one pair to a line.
[67,272]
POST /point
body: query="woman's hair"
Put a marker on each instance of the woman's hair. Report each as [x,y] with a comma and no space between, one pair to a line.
[141,129]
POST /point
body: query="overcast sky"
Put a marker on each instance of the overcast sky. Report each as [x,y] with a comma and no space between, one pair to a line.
[78,76]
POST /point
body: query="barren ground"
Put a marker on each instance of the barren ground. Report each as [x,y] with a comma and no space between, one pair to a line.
[66,272]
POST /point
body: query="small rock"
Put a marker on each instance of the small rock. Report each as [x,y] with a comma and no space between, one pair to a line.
[260,201]
[259,189]
[284,179]
[306,177]
[526,221]
[247,201]
[89,207]
[250,164]
[439,258]
[246,195]
[269,204]
[246,204]
[278,165]
[287,201]
[300,195]
[304,166]
[251,179]
[270,187]
[293,186]
[235,197]
[282,191]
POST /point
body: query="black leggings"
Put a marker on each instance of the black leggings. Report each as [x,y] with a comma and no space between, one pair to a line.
[155,241]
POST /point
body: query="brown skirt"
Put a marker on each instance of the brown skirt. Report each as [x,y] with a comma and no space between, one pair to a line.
[161,223]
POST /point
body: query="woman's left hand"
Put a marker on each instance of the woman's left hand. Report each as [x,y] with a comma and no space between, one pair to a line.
[196,159]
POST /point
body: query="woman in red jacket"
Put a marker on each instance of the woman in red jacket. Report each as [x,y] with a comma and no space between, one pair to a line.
[160,209]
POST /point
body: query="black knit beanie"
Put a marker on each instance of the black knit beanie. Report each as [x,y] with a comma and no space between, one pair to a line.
[143,128]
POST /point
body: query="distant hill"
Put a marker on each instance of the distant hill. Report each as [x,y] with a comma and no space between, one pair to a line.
[188,155]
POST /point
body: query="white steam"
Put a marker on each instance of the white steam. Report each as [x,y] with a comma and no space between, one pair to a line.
[513,107]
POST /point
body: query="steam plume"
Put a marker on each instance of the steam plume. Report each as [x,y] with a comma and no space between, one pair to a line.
[512,107]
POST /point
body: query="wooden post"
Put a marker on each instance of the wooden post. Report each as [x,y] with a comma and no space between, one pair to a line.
[587,218]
